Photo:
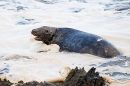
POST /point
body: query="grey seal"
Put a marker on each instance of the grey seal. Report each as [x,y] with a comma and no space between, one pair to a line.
[73,40]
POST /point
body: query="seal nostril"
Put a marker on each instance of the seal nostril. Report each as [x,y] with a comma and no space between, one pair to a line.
[34,31]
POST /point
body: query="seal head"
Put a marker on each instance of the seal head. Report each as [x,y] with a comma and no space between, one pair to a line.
[44,34]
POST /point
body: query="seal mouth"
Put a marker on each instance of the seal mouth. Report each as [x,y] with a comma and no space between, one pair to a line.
[37,35]
[38,38]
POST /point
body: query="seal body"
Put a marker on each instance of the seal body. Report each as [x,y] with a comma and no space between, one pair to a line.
[73,40]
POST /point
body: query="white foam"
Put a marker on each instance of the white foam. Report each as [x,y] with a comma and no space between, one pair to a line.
[16,39]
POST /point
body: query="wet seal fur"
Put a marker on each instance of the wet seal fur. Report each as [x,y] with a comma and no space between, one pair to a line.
[72,40]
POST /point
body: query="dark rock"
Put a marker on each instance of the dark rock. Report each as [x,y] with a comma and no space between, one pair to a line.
[34,83]
[49,84]
[5,82]
[79,77]
[76,77]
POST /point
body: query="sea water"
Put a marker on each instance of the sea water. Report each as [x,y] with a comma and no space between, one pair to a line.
[20,58]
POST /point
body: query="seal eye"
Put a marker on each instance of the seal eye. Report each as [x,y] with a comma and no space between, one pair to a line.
[47,31]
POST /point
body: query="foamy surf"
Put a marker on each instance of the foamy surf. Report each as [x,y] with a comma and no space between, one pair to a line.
[23,58]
